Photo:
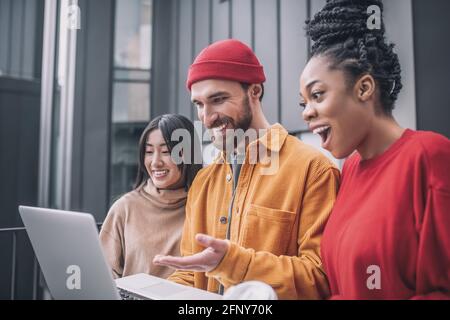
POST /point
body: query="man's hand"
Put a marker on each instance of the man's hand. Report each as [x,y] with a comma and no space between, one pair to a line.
[204,261]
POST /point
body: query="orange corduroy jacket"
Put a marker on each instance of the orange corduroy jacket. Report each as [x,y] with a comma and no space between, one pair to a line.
[281,206]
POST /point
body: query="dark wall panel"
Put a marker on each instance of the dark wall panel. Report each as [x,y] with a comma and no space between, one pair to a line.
[19,147]
[293,59]
[20,38]
[267,50]
[19,155]
[20,52]
[432,52]
[202,31]
[18,10]
[5,35]
[92,117]
[170,93]
[9,148]
[185,55]
[163,67]
[242,21]
[29,45]
[220,20]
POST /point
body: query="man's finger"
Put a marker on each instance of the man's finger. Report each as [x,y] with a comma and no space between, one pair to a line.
[208,241]
[168,259]
[164,262]
[181,267]
[182,262]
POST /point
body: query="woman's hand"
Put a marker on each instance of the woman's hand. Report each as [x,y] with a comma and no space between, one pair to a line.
[204,261]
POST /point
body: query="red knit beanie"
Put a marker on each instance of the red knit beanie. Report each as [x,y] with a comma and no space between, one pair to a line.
[226,60]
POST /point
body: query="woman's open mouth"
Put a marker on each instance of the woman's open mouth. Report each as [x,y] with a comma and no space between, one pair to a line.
[325,133]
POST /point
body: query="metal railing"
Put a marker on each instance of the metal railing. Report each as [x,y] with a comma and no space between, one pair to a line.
[36,268]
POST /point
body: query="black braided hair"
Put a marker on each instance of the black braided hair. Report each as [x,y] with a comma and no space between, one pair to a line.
[340,32]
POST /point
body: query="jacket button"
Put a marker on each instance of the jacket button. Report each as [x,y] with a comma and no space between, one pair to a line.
[223,220]
[228,177]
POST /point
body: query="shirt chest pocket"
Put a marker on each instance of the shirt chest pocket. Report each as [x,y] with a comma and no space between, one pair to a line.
[267,229]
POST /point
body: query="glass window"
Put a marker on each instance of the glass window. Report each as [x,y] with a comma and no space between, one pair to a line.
[133,34]
[131,90]
[131,102]
[20,34]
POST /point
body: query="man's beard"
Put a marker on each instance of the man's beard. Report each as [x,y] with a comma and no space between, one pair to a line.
[235,134]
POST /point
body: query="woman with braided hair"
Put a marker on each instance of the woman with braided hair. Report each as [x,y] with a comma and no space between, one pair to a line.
[388,235]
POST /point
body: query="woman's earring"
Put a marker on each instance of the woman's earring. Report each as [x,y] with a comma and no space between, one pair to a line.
[393,88]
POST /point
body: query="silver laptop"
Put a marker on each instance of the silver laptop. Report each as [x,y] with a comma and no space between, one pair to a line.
[68,249]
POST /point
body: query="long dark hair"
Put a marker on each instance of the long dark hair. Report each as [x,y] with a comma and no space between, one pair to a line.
[167,124]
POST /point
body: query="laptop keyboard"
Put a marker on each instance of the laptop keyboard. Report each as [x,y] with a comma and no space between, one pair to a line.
[127,295]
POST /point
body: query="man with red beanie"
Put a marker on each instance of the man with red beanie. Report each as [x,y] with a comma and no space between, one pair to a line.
[244,222]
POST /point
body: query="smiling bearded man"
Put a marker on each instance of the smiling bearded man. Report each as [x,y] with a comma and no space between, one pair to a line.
[242,222]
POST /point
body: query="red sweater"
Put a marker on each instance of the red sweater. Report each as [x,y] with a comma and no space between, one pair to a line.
[388,236]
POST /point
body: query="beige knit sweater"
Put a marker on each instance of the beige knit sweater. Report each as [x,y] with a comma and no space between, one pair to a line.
[141,224]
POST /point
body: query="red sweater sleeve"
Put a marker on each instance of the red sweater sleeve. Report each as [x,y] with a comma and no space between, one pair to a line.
[433,256]
[433,260]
